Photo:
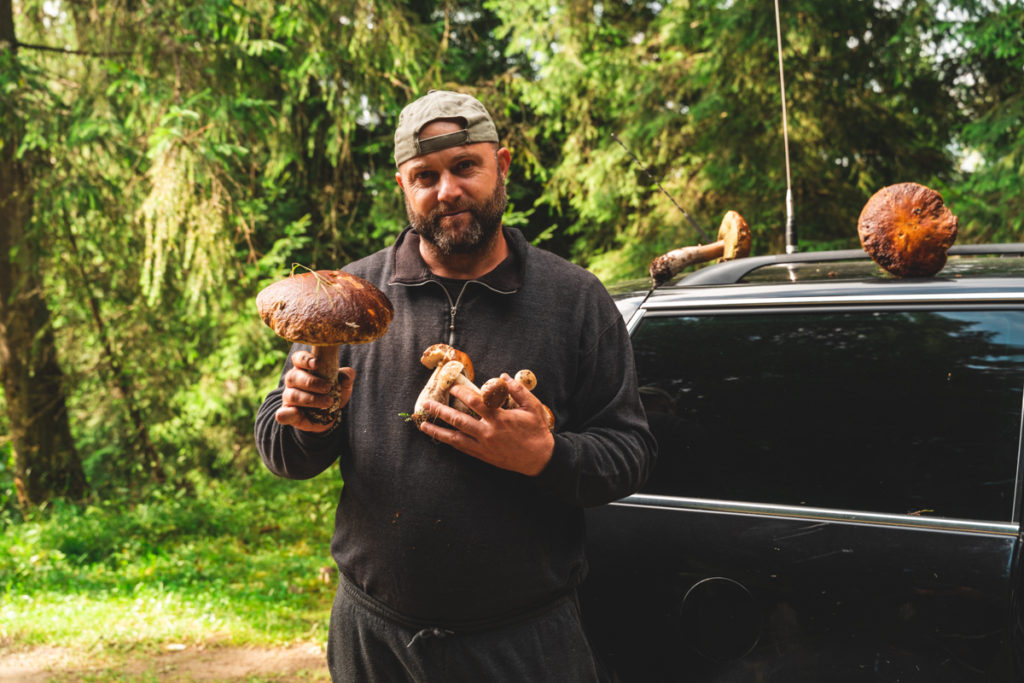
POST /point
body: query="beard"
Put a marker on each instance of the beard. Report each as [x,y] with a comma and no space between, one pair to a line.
[476,237]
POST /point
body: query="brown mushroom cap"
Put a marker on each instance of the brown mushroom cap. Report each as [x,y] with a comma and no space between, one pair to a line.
[494,392]
[325,308]
[735,235]
[527,379]
[907,230]
[439,354]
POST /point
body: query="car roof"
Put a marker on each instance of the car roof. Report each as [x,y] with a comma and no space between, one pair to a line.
[990,273]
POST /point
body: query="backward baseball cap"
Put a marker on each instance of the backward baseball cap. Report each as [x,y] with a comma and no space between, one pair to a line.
[441,104]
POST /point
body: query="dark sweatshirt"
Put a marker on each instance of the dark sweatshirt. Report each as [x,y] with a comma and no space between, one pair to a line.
[439,536]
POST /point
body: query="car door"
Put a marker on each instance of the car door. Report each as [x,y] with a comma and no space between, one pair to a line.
[835,498]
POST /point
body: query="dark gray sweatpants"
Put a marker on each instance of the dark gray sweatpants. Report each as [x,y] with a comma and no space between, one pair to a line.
[368,643]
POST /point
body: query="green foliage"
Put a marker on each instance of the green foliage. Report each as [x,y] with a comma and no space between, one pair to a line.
[693,89]
[8,501]
[190,152]
[239,559]
[990,198]
[213,145]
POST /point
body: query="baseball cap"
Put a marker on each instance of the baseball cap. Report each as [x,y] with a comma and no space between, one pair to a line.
[441,104]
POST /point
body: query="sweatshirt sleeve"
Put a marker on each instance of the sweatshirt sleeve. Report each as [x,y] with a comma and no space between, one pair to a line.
[608,451]
[289,452]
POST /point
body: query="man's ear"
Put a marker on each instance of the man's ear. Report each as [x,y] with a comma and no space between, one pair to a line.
[504,158]
[398,179]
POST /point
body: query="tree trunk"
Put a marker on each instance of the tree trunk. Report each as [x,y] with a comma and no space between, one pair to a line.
[46,463]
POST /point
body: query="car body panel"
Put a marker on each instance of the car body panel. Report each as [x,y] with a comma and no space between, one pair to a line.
[715,595]
[906,571]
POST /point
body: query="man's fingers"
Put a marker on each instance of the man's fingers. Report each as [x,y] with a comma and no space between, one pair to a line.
[304,390]
[294,417]
[527,401]
[456,418]
[288,415]
[303,360]
[520,394]
[462,434]
[306,381]
[305,399]
[471,399]
[346,380]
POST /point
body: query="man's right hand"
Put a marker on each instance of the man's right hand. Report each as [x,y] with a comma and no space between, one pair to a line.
[304,389]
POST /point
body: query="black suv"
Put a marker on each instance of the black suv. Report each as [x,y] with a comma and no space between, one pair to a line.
[838,491]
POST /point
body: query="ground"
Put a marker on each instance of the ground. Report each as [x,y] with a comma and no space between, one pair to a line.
[291,664]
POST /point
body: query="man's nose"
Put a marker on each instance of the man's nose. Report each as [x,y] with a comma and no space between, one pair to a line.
[448,188]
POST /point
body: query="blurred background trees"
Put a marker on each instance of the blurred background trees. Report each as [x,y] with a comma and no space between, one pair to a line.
[161,162]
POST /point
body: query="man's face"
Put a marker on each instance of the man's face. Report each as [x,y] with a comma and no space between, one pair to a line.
[455,197]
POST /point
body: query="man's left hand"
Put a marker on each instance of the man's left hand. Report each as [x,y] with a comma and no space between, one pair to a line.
[516,439]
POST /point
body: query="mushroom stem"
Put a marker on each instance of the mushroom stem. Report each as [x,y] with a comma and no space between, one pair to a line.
[668,264]
[437,387]
[325,359]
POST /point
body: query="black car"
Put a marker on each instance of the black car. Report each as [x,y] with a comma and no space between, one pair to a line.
[838,490]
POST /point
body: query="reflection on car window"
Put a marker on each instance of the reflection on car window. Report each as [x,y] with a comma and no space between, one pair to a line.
[914,412]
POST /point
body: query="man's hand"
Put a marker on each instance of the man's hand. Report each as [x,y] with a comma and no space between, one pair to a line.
[303,389]
[516,439]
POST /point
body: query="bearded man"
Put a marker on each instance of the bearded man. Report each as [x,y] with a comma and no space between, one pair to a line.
[459,539]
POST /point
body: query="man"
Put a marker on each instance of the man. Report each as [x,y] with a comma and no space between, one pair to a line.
[460,541]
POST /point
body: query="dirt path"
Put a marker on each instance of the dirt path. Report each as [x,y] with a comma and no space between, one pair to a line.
[292,664]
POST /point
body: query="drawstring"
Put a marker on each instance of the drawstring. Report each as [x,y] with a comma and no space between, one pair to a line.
[432,632]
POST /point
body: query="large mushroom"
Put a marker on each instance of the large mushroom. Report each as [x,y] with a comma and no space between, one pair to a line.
[733,242]
[325,309]
[907,230]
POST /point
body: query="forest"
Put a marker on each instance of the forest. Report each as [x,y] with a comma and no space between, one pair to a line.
[161,162]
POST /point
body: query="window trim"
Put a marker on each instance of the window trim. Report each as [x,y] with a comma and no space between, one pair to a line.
[819,514]
[998,299]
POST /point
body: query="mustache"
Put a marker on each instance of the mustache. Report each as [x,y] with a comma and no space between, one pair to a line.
[444,209]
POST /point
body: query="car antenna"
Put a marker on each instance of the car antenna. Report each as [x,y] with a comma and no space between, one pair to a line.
[791,240]
[663,190]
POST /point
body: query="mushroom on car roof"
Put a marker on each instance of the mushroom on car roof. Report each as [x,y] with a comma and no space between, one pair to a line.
[733,243]
[907,230]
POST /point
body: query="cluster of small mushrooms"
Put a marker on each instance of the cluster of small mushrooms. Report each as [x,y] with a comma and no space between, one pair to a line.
[905,228]
[450,367]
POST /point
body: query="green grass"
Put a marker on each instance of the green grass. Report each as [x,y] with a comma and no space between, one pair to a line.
[232,562]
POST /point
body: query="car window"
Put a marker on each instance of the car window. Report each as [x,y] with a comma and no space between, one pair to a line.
[906,412]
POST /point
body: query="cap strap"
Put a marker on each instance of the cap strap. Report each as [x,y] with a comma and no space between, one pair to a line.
[439,142]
